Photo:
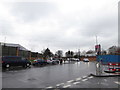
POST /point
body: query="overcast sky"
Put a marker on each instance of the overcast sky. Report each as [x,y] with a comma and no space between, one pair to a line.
[59,24]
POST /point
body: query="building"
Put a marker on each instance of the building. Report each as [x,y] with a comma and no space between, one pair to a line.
[10,49]
[114,50]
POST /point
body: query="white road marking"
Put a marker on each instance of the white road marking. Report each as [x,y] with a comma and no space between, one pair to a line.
[59,84]
[90,77]
[84,76]
[78,79]
[84,79]
[49,87]
[117,82]
[76,82]
[70,81]
[66,86]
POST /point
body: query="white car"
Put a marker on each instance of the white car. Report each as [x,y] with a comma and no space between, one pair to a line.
[49,61]
[77,59]
[85,60]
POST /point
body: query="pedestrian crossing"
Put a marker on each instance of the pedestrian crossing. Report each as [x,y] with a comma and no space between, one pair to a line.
[77,81]
[66,86]
[117,82]
[69,83]
[84,80]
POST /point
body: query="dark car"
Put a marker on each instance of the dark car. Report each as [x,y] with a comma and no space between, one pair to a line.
[39,62]
[8,61]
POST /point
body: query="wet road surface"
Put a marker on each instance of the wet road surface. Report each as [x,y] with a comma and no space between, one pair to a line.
[54,76]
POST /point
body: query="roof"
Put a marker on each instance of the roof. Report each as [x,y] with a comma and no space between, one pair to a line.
[14,45]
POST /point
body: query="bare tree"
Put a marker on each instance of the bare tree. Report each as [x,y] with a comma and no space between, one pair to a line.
[59,53]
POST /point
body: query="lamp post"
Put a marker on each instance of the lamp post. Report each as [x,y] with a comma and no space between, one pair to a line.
[79,54]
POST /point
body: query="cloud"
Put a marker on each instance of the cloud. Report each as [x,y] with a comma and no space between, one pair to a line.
[5,28]
[66,25]
[31,11]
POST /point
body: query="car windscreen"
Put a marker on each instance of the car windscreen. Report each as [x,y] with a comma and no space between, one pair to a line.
[11,58]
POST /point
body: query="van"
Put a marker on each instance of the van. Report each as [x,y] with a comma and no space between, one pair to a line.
[8,61]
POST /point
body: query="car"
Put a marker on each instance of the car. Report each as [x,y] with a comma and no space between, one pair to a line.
[49,61]
[56,61]
[77,59]
[52,61]
[8,61]
[39,62]
[85,60]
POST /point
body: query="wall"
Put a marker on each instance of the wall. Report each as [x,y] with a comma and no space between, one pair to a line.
[91,58]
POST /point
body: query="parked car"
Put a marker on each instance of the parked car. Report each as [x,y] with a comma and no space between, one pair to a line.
[75,59]
[39,62]
[85,60]
[52,61]
[49,61]
[56,61]
[8,61]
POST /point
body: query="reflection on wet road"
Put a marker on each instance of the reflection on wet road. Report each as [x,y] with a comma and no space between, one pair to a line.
[50,75]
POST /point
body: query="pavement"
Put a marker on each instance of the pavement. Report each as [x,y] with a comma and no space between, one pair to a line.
[68,75]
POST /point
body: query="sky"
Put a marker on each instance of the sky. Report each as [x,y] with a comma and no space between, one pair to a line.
[59,24]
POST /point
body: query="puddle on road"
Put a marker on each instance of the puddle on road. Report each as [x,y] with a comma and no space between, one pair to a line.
[32,79]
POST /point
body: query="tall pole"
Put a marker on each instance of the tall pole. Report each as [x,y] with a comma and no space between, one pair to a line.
[79,53]
[96,41]
[4,40]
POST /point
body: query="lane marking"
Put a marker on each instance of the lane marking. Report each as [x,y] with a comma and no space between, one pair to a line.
[84,80]
[59,84]
[90,77]
[117,82]
[76,82]
[78,79]
[84,76]
[70,81]
[49,87]
[66,86]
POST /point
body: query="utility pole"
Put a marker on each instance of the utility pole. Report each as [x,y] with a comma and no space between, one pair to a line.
[79,53]
[96,41]
[98,52]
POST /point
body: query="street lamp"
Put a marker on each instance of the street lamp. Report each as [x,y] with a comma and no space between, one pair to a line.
[79,54]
